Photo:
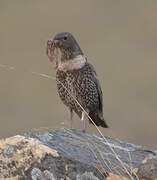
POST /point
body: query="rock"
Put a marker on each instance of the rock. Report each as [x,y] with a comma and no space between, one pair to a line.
[148,168]
[73,155]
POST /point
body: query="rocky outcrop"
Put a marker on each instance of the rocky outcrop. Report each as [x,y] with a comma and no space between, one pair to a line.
[74,155]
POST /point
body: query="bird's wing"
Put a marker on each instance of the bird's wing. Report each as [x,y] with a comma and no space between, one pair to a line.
[100,94]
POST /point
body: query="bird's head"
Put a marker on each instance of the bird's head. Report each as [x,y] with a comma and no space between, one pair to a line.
[64,50]
[67,45]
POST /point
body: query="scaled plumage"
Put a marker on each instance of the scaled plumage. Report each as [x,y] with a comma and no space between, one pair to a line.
[77,80]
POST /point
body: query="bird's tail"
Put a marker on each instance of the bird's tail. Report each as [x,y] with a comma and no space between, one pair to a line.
[98,119]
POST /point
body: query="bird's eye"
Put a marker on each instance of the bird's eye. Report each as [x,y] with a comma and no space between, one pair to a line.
[65,37]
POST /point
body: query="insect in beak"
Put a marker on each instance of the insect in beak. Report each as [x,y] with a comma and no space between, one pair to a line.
[52,50]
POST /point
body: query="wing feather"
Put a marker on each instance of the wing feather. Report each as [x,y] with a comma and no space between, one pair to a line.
[100,94]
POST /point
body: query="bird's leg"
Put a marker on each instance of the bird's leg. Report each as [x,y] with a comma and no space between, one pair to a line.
[71,117]
[84,121]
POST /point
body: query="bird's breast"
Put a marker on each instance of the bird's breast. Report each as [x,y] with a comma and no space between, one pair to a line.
[73,64]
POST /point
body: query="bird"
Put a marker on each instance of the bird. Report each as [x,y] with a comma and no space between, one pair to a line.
[77,81]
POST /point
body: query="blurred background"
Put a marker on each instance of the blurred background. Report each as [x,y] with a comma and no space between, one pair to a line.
[120,39]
